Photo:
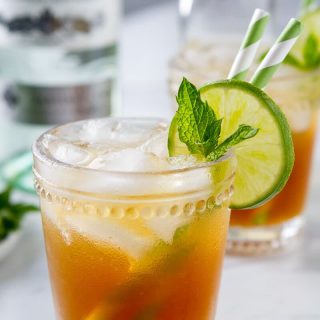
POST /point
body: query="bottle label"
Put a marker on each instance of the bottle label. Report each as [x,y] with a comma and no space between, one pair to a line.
[70,24]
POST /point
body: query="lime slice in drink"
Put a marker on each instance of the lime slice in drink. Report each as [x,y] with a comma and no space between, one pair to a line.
[264,161]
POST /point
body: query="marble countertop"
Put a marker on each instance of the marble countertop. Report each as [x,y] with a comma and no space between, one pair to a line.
[282,287]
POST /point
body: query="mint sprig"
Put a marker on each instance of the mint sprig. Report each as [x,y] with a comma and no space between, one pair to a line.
[307,6]
[310,55]
[11,214]
[199,127]
[311,52]
[244,132]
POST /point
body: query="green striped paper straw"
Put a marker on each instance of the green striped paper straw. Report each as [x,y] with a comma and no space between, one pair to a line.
[276,54]
[249,45]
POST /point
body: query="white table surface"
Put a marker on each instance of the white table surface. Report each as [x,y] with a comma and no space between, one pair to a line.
[284,287]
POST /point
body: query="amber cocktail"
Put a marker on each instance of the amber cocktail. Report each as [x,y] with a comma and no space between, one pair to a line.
[280,219]
[142,238]
[274,225]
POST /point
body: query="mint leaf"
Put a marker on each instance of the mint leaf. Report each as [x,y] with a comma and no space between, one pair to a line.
[311,52]
[244,132]
[291,60]
[11,214]
[307,6]
[5,196]
[198,126]
[307,3]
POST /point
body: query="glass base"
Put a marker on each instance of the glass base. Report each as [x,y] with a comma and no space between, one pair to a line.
[264,240]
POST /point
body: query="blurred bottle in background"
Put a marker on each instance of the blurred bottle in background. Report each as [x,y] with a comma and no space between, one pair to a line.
[58,59]
[58,63]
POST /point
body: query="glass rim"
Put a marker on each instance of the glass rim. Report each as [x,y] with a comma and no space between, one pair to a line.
[42,156]
[277,78]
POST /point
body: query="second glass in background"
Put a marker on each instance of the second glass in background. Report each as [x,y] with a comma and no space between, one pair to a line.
[207,55]
[206,19]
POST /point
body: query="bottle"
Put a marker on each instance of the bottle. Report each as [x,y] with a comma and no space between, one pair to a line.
[58,59]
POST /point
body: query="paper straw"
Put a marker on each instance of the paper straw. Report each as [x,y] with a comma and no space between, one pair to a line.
[249,45]
[276,54]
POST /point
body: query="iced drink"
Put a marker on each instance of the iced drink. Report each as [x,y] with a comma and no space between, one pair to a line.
[273,225]
[130,233]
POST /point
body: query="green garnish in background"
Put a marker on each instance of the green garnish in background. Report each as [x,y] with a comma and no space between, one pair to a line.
[305,55]
[310,55]
[307,6]
[199,127]
[11,214]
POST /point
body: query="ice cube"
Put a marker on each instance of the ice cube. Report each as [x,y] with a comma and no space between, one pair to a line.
[129,160]
[165,227]
[118,134]
[69,153]
[133,135]
[101,136]
[157,145]
[183,161]
[95,131]
[110,231]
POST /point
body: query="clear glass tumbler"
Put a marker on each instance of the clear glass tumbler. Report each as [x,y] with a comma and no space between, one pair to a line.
[280,221]
[130,245]
[276,224]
